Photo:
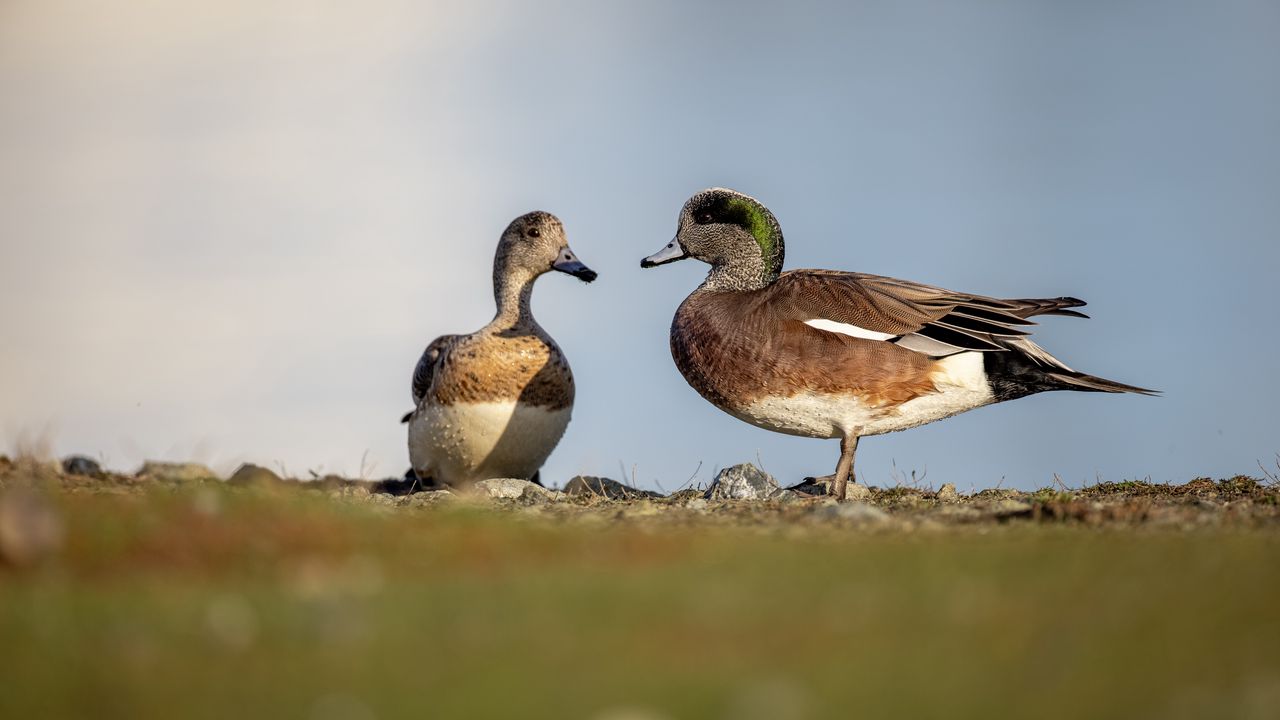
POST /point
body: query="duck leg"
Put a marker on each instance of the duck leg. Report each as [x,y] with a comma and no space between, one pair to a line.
[844,469]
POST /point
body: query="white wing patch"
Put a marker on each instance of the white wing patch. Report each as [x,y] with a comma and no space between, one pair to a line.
[847,329]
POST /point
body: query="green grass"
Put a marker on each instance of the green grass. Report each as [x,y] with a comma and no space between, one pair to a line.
[256,604]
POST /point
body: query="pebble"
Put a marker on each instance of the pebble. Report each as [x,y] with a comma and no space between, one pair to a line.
[250,474]
[514,489]
[81,465]
[604,487]
[947,493]
[743,482]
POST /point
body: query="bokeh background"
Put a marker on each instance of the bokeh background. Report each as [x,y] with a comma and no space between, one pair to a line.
[227,229]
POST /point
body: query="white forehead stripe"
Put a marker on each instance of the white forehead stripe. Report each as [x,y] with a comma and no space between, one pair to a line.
[847,329]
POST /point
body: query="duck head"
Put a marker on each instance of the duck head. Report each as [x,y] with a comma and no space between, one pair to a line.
[733,233]
[535,243]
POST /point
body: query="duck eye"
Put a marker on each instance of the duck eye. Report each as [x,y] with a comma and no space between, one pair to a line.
[534,232]
[704,218]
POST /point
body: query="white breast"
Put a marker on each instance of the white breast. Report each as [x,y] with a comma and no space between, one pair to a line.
[962,385]
[463,443]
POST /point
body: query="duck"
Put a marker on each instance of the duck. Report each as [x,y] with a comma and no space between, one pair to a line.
[495,403]
[844,355]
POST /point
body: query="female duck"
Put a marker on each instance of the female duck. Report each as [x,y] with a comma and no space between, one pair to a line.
[494,404]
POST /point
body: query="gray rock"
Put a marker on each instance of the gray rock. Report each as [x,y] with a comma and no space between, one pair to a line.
[947,493]
[250,474]
[513,489]
[175,472]
[81,465]
[605,488]
[743,482]
[425,499]
[857,491]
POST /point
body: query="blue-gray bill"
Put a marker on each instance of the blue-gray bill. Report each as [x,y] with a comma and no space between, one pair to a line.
[671,253]
[570,264]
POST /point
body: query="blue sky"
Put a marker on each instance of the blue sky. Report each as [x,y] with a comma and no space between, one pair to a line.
[228,229]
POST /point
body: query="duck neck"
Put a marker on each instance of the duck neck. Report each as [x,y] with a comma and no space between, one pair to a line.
[740,274]
[513,291]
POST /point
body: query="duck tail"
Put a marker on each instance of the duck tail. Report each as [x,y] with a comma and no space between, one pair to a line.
[1031,307]
[1091,383]
[1025,368]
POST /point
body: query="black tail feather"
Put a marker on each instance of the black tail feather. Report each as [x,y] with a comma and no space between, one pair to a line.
[1012,375]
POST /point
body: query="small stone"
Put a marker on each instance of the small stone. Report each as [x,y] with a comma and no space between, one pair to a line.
[81,465]
[743,482]
[789,496]
[175,472]
[947,493]
[250,474]
[514,489]
[425,499]
[857,491]
[605,488]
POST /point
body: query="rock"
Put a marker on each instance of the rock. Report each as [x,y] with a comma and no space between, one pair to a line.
[605,488]
[250,474]
[513,489]
[743,482]
[175,472]
[425,499]
[858,513]
[30,528]
[857,491]
[947,493]
[81,465]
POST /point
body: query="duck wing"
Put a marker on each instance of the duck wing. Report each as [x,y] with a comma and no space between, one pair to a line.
[424,372]
[924,318]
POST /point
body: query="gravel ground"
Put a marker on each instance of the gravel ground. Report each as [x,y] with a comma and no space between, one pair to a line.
[740,495]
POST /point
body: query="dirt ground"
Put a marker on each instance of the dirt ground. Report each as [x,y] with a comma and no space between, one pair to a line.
[168,593]
[1239,501]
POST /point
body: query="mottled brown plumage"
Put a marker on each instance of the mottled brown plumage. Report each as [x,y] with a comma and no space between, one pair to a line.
[494,403]
[493,365]
[737,347]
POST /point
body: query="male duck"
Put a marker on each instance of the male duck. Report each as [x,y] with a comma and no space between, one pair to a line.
[829,354]
[495,403]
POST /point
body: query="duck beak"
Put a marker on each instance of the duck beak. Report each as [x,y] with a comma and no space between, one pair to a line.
[569,263]
[671,253]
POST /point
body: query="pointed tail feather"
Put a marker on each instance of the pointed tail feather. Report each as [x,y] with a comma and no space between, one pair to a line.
[1031,307]
[1092,383]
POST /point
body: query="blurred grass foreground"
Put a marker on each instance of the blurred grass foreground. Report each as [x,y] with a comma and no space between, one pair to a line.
[211,601]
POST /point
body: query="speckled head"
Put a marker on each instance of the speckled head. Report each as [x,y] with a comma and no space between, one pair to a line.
[734,233]
[535,243]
